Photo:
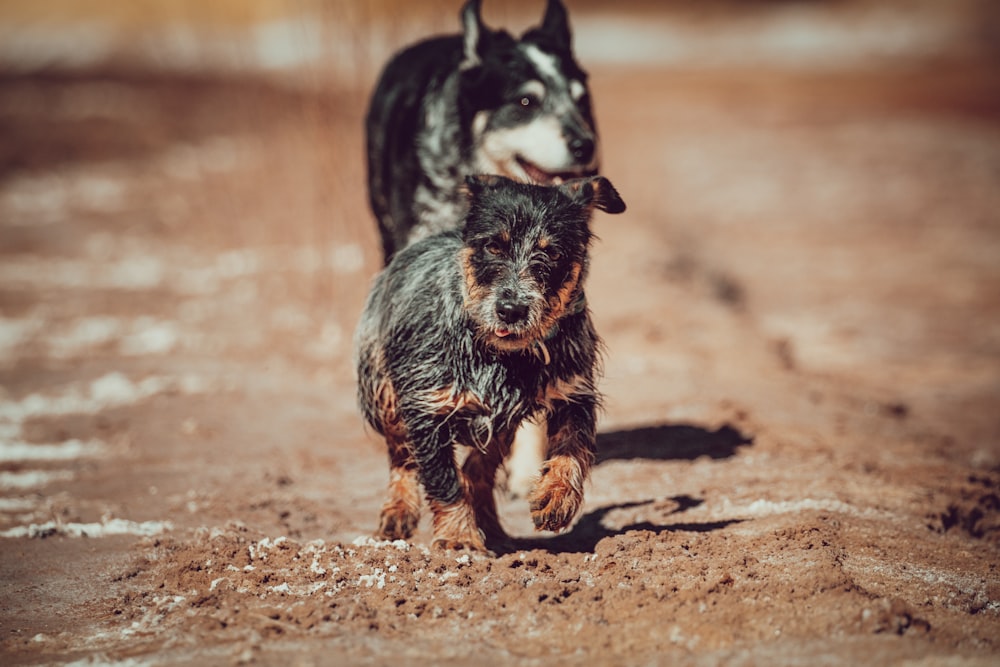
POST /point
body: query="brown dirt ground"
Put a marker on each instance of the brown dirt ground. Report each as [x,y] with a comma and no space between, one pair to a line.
[799,458]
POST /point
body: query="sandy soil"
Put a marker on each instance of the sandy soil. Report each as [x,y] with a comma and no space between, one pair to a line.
[799,459]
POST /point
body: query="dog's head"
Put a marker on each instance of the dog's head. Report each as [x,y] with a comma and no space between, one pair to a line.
[525,254]
[526,100]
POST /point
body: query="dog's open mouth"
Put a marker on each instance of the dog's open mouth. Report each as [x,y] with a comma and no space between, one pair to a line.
[539,176]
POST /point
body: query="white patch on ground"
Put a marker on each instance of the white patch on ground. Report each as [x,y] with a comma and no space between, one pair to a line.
[112,390]
[368,541]
[952,589]
[105,528]
[26,451]
[329,343]
[192,162]
[17,332]
[104,661]
[81,334]
[79,44]
[9,505]
[30,479]
[43,199]
[763,508]
[143,271]
[347,258]
[150,336]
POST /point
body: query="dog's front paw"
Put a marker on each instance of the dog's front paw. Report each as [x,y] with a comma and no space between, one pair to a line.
[398,521]
[448,544]
[455,527]
[558,495]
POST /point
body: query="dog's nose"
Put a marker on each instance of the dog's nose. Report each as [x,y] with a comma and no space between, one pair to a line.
[582,149]
[511,311]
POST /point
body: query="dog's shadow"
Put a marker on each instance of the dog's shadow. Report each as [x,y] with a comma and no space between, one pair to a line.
[670,442]
[662,443]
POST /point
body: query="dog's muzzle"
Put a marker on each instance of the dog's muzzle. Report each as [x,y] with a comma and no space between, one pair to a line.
[511,310]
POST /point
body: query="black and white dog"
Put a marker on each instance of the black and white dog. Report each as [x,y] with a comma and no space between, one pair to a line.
[480,102]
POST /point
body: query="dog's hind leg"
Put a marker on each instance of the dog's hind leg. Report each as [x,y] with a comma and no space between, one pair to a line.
[526,456]
[401,511]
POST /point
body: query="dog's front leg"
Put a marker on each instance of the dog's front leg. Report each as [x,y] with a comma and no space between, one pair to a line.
[401,511]
[558,495]
[449,493]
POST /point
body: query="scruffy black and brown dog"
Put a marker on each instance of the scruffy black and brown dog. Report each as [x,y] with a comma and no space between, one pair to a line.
[467,333]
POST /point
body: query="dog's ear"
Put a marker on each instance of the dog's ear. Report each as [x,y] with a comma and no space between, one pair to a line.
[472,28]
[595,191]
[476,183]
[555,25]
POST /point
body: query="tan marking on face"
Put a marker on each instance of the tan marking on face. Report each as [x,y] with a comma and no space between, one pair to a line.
[474,292]
[559,302]
[544,242]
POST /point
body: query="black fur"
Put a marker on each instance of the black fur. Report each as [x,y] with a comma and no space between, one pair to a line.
[443,109]
[442,357]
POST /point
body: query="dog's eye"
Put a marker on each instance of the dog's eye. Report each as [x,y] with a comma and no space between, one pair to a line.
[493,248]
[550,253]
[529,101]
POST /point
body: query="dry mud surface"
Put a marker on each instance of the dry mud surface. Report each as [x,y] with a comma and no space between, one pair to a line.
[799,458]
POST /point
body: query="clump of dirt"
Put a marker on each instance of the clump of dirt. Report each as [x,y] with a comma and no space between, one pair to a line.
[974,509]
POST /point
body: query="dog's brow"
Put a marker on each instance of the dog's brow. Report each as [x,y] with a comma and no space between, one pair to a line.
[544,63]
[533,87]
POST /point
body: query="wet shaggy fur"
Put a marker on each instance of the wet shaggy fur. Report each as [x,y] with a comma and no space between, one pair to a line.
[468,333]
[479,102]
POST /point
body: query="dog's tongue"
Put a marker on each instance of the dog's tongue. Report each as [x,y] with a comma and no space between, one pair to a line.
[501,332]
[539,176]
